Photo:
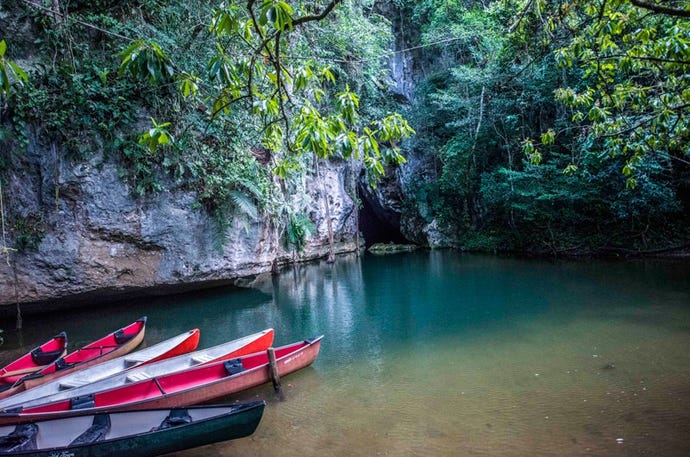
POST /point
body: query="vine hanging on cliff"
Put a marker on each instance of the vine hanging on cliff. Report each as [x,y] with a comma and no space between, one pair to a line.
[4,249]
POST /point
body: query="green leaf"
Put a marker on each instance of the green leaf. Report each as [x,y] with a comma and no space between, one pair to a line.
[570,169]
[548,137]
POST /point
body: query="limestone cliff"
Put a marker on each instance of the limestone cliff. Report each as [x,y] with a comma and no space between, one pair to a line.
[90,237]
[395,201]
[98,240]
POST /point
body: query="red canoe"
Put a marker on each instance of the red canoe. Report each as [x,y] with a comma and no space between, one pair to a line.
[34,360]
[184,388]
[82,383]
[118,343]
[172,347]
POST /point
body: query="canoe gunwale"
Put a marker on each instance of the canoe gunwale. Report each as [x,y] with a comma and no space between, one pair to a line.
[123,349]
[224,386]
[177,433]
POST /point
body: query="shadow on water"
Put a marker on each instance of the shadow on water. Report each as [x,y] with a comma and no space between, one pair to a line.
[225,311]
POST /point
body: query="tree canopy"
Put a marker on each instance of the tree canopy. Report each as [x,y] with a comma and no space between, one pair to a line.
[235,94]
[253,67]
[630,94]
[557,126]
[541,126]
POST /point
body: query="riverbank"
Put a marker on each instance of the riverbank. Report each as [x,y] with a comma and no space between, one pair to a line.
[112,292]
[260,277]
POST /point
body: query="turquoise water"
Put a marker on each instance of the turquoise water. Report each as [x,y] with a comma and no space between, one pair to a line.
[446,354]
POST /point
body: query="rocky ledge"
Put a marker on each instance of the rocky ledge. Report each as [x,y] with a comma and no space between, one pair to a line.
[100,241]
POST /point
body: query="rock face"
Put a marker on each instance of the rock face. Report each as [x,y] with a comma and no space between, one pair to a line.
[405,62]
[390,201]
[98,238]
[395,201]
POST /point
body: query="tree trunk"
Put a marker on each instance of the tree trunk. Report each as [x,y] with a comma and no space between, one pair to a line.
[57,14]
[479,126]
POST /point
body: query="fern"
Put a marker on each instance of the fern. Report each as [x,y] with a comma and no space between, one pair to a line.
[244,203]
[298,230]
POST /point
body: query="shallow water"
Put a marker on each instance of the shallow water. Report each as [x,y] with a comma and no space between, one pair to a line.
[445,354]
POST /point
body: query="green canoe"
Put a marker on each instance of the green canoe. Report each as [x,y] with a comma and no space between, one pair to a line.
[142,433]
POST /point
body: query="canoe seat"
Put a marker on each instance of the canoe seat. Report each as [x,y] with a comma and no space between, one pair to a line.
[97,432]
[234,366]
[202,358]
[73,383]
[83,401]
[62,364]
[41,357]
[136,377]
[121,337]
[131,361]
[23,438]
[175,418]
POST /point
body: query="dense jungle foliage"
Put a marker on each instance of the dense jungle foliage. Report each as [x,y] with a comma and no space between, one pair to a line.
[237,101]
[554,127]
[548,127]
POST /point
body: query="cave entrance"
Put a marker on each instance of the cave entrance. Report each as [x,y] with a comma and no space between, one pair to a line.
[375,229]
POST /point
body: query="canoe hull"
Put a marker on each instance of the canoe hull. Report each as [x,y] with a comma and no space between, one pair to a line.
[241,423]
[195,394]
[35,360]
[121,350]
[228,386]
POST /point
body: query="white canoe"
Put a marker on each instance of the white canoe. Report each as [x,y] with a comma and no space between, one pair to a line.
[256,342]
[175,346]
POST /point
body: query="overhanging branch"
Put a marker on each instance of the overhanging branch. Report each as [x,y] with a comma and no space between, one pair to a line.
[661,9]
[317,17]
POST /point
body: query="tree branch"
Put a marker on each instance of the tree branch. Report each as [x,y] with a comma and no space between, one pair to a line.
[279,82]
[234,100]
[317,17]
[523,13]
[661,9]
[250,8]
[645,58]
[643,122]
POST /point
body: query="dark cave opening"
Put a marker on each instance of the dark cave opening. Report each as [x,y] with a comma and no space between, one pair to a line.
[376,229]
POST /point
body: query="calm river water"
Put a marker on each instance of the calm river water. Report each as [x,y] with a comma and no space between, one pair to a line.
[447,354]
